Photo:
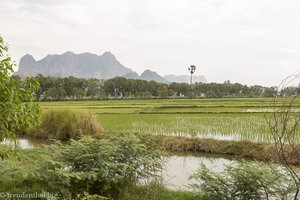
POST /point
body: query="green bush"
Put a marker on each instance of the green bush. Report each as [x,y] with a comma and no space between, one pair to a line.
[65,124]
[245,181]
[103,167]
[17,108]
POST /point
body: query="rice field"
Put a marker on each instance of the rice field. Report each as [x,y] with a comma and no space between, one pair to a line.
[224,119]
[218,126]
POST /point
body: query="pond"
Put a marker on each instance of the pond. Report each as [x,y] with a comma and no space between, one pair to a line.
[178,168]
[25,143]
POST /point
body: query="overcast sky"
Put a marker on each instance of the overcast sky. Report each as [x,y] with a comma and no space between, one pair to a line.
[246,41]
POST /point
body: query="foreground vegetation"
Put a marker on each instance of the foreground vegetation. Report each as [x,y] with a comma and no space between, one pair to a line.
[155,191]
[15,115]
[106,167]
[246,181]
[115,166]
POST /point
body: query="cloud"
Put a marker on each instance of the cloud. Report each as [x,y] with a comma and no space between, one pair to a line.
[235,40]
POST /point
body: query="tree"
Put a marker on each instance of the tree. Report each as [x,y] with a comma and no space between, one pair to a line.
[17,110]
[163,91]
[93,88]
[192,70]
[270,92]
[52,93]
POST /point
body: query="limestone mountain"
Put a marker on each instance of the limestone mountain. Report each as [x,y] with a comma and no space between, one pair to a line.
[88,65]
[85,65]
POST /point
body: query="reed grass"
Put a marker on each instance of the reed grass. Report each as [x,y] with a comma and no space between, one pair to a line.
[65,124]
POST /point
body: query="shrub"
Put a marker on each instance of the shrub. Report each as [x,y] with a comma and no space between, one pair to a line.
[17,108]
[103,167]
[65,124]
[244,181]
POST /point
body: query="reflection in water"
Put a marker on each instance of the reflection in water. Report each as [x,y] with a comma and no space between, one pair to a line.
[25,143]
[229,137]
[178,169]
[20,143]
[219,136]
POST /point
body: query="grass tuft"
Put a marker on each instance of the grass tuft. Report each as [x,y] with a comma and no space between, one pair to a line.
[65,124]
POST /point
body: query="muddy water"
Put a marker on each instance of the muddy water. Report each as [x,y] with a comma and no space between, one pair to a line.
[178,168]
[25,143]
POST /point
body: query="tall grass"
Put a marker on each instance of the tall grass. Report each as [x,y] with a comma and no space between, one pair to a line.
[65,124]
[89,125]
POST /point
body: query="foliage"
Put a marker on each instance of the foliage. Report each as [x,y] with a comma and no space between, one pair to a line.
[163,91]
[87,196]
[155,191]
[90,166]
[15,169]
[65,124]
[15,114]
[245,181]
[55,88]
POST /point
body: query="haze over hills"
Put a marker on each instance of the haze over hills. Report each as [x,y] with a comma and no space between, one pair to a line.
[88,65]
[85,65]
[147,75]
[185,78]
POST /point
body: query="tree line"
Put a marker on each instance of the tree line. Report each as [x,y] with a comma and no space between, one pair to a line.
[55,88]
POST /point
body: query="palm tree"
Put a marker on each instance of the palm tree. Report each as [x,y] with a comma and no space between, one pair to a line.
[192,69]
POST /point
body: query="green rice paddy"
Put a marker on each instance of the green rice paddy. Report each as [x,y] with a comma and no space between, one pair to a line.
[225,119]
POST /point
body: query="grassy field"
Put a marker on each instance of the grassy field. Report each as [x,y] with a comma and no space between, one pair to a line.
[226,119]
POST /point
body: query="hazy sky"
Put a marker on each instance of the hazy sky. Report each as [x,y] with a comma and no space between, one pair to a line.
[247,41]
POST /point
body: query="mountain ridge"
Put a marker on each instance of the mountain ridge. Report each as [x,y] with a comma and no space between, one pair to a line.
[86,65]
